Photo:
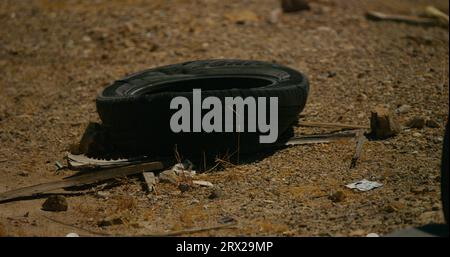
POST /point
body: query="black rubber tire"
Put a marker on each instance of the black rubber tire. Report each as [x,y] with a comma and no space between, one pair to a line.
[444,175]
[139,104]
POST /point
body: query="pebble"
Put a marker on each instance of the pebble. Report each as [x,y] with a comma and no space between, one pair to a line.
[338,196]
[214,194]
[417,134]
[110,222]
[184,187]
[294,5]
[55,203]
[416,122]
[404,108]
[24,173]
[383,124]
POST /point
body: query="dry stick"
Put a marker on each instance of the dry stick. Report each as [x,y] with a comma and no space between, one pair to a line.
[320,138]
[80,180]
[400,18]
[331,125]
[170,233]
[436,13]
[360,139]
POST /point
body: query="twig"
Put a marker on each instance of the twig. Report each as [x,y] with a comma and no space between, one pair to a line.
[75,226]
[360,139]
[379,16]
[190,231]
[331,125]
[436,13]
[160,234]
[320,138]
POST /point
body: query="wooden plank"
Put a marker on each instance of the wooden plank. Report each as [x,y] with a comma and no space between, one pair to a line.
[80,180]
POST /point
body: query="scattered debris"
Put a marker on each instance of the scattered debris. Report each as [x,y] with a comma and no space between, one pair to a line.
[321,138]
[202,183]
[150,180]
[55,203]
[404,108]
[110,222]
[416,122]
[383,124]
[59,166]
[364,185]
[80,180]
[331,125]
[184,168]
[294,5]
[168,176]
[360,139]
[337,197]
[81,161]
[379,16]
[72,234]
[432,123]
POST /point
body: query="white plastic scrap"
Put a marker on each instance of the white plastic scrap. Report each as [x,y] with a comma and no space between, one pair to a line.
[184,168]
[364,185]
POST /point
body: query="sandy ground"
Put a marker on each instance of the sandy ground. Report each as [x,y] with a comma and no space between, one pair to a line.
[56,56]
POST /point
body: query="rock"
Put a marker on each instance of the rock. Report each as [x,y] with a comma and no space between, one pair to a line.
[338,196]
[294,5]
[372,235]
[168,176]
[274,16]
[432,123]
[416,122]
[214,194]
[404,108]
[24,173]
[184,187]
[383,124]
[55,203]
[72,235]
[110,222]
[417,134]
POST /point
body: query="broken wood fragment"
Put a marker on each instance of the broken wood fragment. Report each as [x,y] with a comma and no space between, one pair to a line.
[360,139]
[150,180]
[383,123]
[80,180]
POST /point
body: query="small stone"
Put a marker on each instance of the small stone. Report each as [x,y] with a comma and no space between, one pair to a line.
[416,122]
[417,134]
[168,176]
[372,235]
[184,187]
[432,123]
[214,194]
[110,222]
[294,5]
[337,197]
[404,108]
[24,173]
[72,235]
[55,203]
[383,124]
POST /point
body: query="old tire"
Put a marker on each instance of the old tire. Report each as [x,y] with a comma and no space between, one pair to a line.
[136,108]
